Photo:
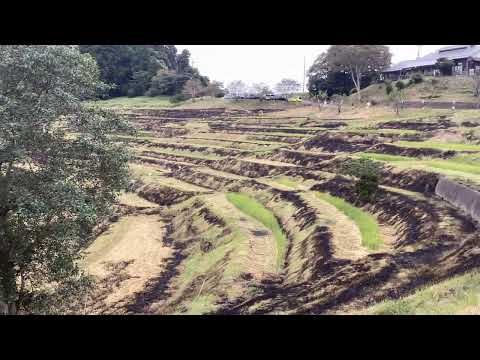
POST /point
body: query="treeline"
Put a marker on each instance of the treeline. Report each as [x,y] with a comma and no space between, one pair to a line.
[346,69]
[151,70]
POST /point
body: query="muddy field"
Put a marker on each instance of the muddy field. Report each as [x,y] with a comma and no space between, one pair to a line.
[215,257]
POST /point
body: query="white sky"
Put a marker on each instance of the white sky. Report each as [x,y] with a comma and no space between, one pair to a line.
[270,63]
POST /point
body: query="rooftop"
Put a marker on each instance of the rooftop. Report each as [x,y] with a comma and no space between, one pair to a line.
[452,52]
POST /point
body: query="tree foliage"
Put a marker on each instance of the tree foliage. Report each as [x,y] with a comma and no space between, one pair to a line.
[445,66]
[358,61]
[136,70]
[59,173]
[367,173]
[324,77]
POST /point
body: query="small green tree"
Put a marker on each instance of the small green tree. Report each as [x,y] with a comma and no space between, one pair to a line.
[388,87]
[400,85]
[416,78]
[368,174]
[445,66]
[338,99]
[320,96]
[59,173]
[397,97]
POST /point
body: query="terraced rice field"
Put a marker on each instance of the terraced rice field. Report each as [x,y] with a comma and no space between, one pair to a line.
[238,211]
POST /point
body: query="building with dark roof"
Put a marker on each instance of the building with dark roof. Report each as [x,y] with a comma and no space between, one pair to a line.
[465,57]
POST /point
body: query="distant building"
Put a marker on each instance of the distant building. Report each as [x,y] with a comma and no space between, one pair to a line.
[466,58]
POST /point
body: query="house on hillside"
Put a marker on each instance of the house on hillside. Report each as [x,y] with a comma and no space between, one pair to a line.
[466,58]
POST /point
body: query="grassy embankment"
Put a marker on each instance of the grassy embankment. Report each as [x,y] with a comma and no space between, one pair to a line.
[438,145]
[135,102]
[449,88]
[459,295]
[256,210]
[466,167]
[366,223]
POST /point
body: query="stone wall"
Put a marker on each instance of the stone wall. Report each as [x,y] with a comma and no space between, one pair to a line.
[460,196]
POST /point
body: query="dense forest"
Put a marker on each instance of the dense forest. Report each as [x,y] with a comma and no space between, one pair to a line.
[151,70]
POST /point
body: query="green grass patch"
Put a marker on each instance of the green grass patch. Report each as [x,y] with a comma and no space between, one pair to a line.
[453,165]
[139,101]
[366,223]
[385,157]
[285,180]
[382,131]
[467,164]
[256,210]
[457,295]
[438,145]
[200,305]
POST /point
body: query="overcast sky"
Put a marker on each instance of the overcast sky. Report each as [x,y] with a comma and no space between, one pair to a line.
[270,63]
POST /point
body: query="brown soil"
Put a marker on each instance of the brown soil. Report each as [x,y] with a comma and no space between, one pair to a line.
[418,125]
[301,158]
[423,252]
[326,269]
[124,259]
[410,152]
[163,195]
[242,129]
[338,142]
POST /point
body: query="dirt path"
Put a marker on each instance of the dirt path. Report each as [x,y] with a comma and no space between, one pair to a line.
[124,258]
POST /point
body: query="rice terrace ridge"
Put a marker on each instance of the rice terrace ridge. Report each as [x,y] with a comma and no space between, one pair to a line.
[143,186]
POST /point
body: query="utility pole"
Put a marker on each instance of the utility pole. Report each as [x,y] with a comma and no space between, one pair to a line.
[419,51]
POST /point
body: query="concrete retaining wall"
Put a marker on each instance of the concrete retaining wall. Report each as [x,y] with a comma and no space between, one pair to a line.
[460,196]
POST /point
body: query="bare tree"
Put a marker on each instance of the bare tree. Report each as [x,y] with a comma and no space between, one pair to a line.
[192,88]
[261,89]
[215,88]
[287,86]
[236,88]
[338,99]
[397,97]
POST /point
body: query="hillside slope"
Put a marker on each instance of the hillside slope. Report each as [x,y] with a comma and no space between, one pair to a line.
[450,88]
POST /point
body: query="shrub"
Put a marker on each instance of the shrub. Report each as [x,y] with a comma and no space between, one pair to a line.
[368,174]
[389,88]
[179,98]
[400,85]
[416,78]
